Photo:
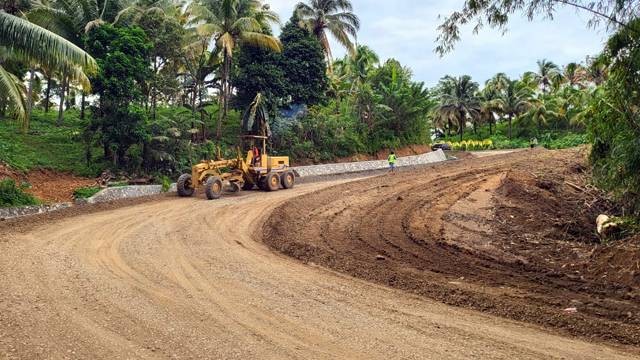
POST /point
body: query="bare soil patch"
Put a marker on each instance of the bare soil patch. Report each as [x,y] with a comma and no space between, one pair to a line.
[48,185]
[511,235]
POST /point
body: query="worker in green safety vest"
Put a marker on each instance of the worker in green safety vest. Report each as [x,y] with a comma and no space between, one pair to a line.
[392,162]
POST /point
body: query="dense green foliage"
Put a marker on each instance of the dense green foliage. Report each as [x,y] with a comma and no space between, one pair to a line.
[118,121]
[296,75]
[614,126]
[303,65]
[376,107]
[12,195]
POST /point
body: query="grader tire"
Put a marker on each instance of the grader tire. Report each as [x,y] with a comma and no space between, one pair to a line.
[213,188]
[288,180]
[185,186]
[273,182]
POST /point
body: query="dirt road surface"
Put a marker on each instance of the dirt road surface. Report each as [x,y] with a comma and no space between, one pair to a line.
[190,279]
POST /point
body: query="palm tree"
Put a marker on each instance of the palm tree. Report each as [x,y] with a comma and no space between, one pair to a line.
[488,105]
[71,20]
[540,112]
[458,101]
[596,71]
[362,63]
[334,16]
[547,71]
[36,45]
[573,74]
[229,22]
[498,82]
[513,101]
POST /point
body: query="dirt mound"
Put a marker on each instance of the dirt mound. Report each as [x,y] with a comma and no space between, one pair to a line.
[512,235]
[47,185]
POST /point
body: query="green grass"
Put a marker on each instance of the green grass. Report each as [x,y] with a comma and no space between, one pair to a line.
[86,192]
[46,145]
[11,195]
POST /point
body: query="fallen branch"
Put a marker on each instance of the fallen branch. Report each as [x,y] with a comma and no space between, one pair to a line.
[575,186]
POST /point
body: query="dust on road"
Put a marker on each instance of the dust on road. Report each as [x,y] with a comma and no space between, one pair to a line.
[190,279]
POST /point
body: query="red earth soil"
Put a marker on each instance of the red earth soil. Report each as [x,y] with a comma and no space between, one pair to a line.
[47,185]
[511,235]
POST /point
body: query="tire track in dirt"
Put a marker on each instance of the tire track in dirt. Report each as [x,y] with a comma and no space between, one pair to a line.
[186,278]
[434,233]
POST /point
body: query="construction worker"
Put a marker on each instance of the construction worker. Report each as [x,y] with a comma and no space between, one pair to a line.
[392,162]
[533,142]
[256,155]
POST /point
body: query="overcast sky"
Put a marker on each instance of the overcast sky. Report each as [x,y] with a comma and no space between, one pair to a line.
[406,30]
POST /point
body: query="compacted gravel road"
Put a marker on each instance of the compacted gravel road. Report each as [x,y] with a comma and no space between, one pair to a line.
[191,279]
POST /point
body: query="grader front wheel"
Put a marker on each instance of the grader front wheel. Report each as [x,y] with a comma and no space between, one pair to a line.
[213,188]
[185,186]
[288,180]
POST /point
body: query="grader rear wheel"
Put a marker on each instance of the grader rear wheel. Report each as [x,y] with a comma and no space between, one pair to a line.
[213,188]
[185,186]
[273,182]
[288,180]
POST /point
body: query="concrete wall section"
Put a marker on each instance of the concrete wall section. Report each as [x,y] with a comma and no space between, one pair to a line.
[124,192]
[345,168]
[10,213]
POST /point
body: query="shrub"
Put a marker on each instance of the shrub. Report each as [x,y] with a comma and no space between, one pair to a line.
[12,195]
[85,192]
[166,183]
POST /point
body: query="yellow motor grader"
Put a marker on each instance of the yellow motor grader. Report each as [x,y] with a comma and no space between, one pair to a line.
[257,168]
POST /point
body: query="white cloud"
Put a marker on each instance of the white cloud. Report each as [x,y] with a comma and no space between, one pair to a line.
[406,30]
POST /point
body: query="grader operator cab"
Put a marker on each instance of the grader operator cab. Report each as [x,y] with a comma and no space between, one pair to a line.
[252,168]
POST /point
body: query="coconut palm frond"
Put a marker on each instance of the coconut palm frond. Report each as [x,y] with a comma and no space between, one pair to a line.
[41,45]
[247,24]
[226,43]
[12,88]
[77,75]
[262,40]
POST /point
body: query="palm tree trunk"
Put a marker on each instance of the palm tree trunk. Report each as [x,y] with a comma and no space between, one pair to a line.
[154,99]
[222,112]
[463,122]
[490,133]
[47,94]
[510,118]
[327,51]
[202,123]
[194,136]
[82,105]
[30,97]
[63,91]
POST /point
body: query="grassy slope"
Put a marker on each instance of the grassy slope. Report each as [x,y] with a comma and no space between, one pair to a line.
[45,145]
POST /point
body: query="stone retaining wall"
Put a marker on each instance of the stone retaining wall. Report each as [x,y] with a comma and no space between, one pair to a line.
[126,192]
[14,212]
[361,166]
